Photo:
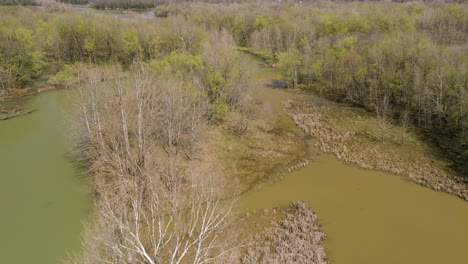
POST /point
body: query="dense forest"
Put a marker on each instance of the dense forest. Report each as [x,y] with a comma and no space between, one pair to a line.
[149,90]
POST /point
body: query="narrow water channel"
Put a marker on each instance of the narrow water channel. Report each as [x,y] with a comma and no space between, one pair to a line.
[368,216]
[43,197]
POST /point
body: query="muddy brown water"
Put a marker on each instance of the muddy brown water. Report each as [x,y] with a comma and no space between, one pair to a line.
[368,216]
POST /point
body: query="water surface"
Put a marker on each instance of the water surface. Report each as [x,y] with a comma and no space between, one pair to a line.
[372,217]
[43,198]
[368,216]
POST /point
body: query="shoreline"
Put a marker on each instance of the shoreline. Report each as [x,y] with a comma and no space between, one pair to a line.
[19,93]
[362,149]
[15,112]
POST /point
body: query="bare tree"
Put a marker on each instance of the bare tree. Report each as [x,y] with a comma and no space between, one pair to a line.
[151,232]
[382,110]
[405,121]
[138,132]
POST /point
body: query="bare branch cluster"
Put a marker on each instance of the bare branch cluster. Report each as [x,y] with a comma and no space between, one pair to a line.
[138,134]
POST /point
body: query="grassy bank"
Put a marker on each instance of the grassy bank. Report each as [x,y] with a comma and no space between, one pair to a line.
[356,136]
[252,157]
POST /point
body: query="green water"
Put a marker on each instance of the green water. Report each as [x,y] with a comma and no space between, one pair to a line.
[43,197]
[368,216]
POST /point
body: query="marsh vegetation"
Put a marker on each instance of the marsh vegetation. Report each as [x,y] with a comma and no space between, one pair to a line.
[171,128]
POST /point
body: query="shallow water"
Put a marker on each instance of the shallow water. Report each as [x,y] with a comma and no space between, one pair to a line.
[43,197]
[368,216]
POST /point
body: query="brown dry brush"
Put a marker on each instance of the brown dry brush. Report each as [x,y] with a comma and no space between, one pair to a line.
[135,122]
[150,233]
[346,146]
[138,133]
[294,239]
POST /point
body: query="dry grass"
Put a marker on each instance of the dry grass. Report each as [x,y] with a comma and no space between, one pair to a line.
[293,237]
[358,137]
[247,228]
[253,156]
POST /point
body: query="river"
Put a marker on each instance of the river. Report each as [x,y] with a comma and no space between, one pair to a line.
[43,196]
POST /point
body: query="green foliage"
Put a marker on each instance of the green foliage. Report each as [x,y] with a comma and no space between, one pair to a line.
[18,2]
[63,77]
[332,25]
[75,2]
[240,26]
[292,63]
[260,23]
[406,24]
[131,47]
[19,58]
[381,23]
[215,82]
[44,33]
[122,4]
[219,108]
[178,62]
[358,23]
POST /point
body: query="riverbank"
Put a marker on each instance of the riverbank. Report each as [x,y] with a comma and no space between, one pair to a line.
[8,113]
[356,136]
[359,137]
[18,93]
[255,155]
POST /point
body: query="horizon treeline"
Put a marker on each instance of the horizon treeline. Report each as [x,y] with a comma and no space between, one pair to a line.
[147,4]
[406,62]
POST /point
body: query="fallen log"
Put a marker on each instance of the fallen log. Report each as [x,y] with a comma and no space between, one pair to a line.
[8,114]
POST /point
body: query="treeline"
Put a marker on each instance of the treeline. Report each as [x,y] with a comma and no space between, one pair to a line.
[35,41]
[144,4]
[19,2]
[123,4]
[405,62]
[74,2]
